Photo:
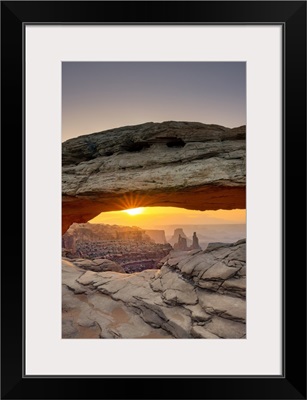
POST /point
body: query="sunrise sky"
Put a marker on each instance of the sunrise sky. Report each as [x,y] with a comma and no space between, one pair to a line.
[156,217]
[102,95]
[97,96]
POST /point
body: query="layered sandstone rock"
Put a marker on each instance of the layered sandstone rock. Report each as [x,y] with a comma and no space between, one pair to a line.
[196,294]
[180,164]
[157,235]
[123,245]
[87,232]
[97,265]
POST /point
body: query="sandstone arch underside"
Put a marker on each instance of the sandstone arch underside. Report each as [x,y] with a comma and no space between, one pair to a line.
[180,164]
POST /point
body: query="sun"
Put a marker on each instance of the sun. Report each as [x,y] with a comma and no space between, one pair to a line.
[134,211]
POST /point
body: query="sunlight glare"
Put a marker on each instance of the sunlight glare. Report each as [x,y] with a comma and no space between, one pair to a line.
[134,211]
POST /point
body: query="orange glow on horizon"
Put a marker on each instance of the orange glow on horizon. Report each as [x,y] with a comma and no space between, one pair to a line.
[153,217]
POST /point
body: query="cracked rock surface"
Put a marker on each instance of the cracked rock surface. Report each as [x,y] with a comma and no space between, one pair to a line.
[182,164]
[195,294]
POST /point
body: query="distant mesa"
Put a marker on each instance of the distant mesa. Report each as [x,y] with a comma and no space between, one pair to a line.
[130,234]
[87,232]
[158,236]
[100,247]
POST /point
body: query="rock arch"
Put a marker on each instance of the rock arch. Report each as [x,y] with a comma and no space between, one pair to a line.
[180,164]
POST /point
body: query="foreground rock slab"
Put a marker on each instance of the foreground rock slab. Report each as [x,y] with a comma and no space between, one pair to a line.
[196,294]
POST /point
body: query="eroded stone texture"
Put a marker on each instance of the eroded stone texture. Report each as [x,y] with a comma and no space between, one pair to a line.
[195,294]
[98,265]
[101,247]
[179,164]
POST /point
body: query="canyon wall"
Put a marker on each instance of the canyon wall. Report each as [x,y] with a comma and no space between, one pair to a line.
[123,245]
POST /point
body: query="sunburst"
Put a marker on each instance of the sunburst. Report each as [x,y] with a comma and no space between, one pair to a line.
[131,202]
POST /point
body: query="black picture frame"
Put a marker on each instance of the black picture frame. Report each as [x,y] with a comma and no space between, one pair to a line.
[292,383]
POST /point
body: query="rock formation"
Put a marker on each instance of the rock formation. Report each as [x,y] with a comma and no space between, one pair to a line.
[96,265]
[94,232]
[181,245]
[178,233]
[195,243]
[180,164]
[158,236]
[123,245]
[196,294]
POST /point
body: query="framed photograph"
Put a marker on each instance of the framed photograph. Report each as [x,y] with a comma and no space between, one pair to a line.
[161,152]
